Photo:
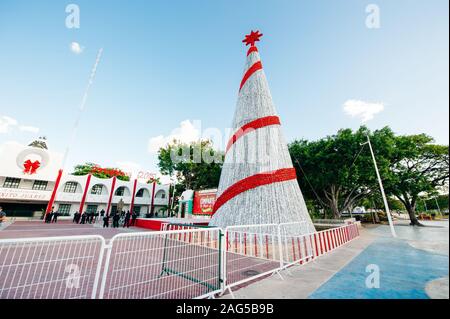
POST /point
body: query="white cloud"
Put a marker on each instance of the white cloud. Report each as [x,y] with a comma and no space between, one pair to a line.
[363,110]
[31,129]
[76,48]
[186,133]
[6,123]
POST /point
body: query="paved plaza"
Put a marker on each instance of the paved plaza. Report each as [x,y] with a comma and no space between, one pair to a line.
[412,266]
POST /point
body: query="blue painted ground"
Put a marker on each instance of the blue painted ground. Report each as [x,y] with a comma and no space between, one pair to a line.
[404,272]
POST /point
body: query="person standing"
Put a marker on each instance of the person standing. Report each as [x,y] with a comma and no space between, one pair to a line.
[116,219]
[106,221]
[133,219]
[75,216]
[55,217]
[2,215]
[126,222]
[49,216]
[83,218]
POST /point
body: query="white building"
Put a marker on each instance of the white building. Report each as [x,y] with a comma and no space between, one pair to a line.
[27,182]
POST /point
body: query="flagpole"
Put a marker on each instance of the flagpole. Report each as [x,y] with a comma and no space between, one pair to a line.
[73,133]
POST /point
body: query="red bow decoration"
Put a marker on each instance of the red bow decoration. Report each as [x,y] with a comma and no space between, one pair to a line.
[31,167]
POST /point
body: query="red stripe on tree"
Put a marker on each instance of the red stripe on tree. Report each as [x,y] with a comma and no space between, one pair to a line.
[255,67]
[251,126]
[252,49]
[261,179]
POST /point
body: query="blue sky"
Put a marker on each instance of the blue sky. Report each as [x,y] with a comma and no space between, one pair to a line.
[165,62]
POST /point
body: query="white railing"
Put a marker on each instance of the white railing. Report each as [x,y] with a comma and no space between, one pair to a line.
[50,268]
[180,262]
[251,251]
[330,239]
[296,243]
[163,265]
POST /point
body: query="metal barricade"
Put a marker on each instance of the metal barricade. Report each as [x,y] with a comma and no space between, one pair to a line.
[163,265]
[50,268]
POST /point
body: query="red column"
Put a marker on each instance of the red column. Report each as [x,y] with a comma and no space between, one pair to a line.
[83,199]
[55,189]
[132,196]
[152,206]
[170,201]
[111,193]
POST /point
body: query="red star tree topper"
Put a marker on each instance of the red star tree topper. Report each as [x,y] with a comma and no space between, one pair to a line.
[252,38]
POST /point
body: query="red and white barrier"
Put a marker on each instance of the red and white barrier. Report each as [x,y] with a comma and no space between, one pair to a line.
[330,239]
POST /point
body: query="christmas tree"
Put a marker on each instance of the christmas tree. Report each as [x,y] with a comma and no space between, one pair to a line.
[258,184]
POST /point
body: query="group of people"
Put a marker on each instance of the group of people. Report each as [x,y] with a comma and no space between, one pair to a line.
[126,218]
[52,216]
[87,217]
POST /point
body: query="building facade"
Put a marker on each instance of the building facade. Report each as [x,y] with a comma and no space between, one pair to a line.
[27,182]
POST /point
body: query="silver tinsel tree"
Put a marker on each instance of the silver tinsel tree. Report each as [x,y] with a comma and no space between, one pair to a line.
[258,183]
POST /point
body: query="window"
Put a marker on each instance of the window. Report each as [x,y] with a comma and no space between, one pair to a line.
[140,192]
[11,182]
[64,209]
[70,187]
[160,194]
[120,191]
[97,189]
[91,208]
[40,185]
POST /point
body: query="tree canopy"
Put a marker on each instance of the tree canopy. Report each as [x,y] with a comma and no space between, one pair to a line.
[417,167]
[97,171]
[196,165]
[335,170]
[338,173]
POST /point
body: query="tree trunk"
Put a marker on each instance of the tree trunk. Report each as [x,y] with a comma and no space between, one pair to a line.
[411,209]
[410,205]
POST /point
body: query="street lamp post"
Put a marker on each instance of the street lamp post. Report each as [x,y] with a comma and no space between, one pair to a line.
[391,224]
[437,205]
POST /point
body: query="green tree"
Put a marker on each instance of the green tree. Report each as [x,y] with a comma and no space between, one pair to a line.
[417,166]
[336,171]
[196,165]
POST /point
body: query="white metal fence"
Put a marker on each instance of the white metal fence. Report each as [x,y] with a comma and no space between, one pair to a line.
[187,262]
[50,268]
[296,244]
[251,251]
[163,265]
